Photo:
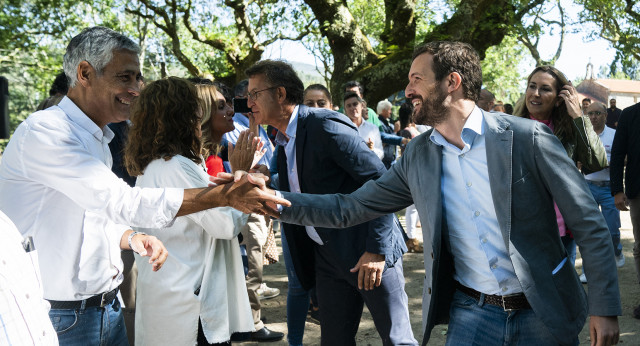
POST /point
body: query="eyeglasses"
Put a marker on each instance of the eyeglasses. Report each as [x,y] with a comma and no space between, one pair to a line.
[253,95]
[594,113]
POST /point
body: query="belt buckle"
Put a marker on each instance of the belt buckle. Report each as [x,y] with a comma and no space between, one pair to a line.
[106,299]
[504,304]
[103,301]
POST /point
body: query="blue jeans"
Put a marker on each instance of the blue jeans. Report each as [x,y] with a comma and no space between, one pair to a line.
[297,300]
[602,195]
[473,323]
[90,326]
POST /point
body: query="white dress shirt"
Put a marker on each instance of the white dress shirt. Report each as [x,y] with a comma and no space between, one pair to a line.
[367,131]
[24,318]
[204,255]
[56,185]
[288,141]
[479,253]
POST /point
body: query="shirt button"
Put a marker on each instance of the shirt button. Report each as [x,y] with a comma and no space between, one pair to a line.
[484,240]
[432,255]
[461,156]
[494,266]
[469,184]
[27,295]
[429,290]
[504,289]
[477,213]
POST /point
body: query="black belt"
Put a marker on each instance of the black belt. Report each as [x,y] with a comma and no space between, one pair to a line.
[603,183]
[511,302]
[99,300]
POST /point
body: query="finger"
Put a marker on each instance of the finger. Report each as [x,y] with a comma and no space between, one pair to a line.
[160,261]
[356,268]
[256,179]
[237,175]
[252,121]
[592,334]
[137,245]
[275,199]
[230,150]
[360,278]
[156,249]
[378,278]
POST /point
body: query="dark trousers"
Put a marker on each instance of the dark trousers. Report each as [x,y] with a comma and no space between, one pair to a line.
[341,303]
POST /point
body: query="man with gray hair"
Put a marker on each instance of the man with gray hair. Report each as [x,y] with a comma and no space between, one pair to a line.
[389,139]
[56,185]
[599,182]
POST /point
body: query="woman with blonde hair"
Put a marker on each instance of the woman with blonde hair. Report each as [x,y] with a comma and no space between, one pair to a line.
[551,99]
[201,296]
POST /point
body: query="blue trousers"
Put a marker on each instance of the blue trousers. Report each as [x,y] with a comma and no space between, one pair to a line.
[92,326]
[602,195]
[297,300]
[472,322]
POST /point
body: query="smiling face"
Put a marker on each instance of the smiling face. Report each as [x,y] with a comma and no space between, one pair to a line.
[221,120]
[541,96]
[353,108]
[426,94]
[316,98]
[110,94]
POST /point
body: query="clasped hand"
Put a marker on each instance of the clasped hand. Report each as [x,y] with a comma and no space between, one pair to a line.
[248,193]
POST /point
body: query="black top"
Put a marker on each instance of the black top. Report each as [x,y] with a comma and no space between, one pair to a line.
[116,146]
[626,143]
[613,116]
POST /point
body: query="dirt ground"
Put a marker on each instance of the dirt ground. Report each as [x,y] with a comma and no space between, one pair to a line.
[275,309]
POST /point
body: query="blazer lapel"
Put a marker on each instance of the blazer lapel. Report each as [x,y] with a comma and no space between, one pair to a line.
[283,174]
[301,136]
[499,144]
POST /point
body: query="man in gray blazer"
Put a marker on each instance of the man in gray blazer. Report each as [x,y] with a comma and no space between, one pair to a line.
[484,186]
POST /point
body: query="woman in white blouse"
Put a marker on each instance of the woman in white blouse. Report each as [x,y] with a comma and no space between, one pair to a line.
[199,298]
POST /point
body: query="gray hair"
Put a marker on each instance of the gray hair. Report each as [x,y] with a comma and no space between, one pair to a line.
[94,45]
[382,105]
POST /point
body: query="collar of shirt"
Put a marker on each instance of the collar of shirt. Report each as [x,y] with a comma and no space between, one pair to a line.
[77,116]
[241,119]
[472,127]
[283,139]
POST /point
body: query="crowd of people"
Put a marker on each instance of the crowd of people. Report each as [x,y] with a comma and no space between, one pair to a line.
[153,206]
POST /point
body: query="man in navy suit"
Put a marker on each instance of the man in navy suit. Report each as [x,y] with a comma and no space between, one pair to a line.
[320,152]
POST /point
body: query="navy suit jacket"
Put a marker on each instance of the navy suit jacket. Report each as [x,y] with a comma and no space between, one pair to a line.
[332,158]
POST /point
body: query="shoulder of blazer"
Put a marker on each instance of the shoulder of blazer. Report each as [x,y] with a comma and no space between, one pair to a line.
[316,116]
[501,122]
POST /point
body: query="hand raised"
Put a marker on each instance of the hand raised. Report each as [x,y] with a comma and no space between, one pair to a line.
[571,99]
[247,151]
[148,245]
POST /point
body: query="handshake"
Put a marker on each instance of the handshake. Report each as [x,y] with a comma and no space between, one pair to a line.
[248,193]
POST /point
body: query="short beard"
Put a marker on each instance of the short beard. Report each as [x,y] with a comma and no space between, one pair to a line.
[433,112]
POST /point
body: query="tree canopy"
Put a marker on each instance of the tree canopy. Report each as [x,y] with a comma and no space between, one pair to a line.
[369,41]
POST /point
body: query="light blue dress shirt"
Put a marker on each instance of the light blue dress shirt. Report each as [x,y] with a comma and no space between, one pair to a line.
[479,252]
[288,141]
[241,122]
